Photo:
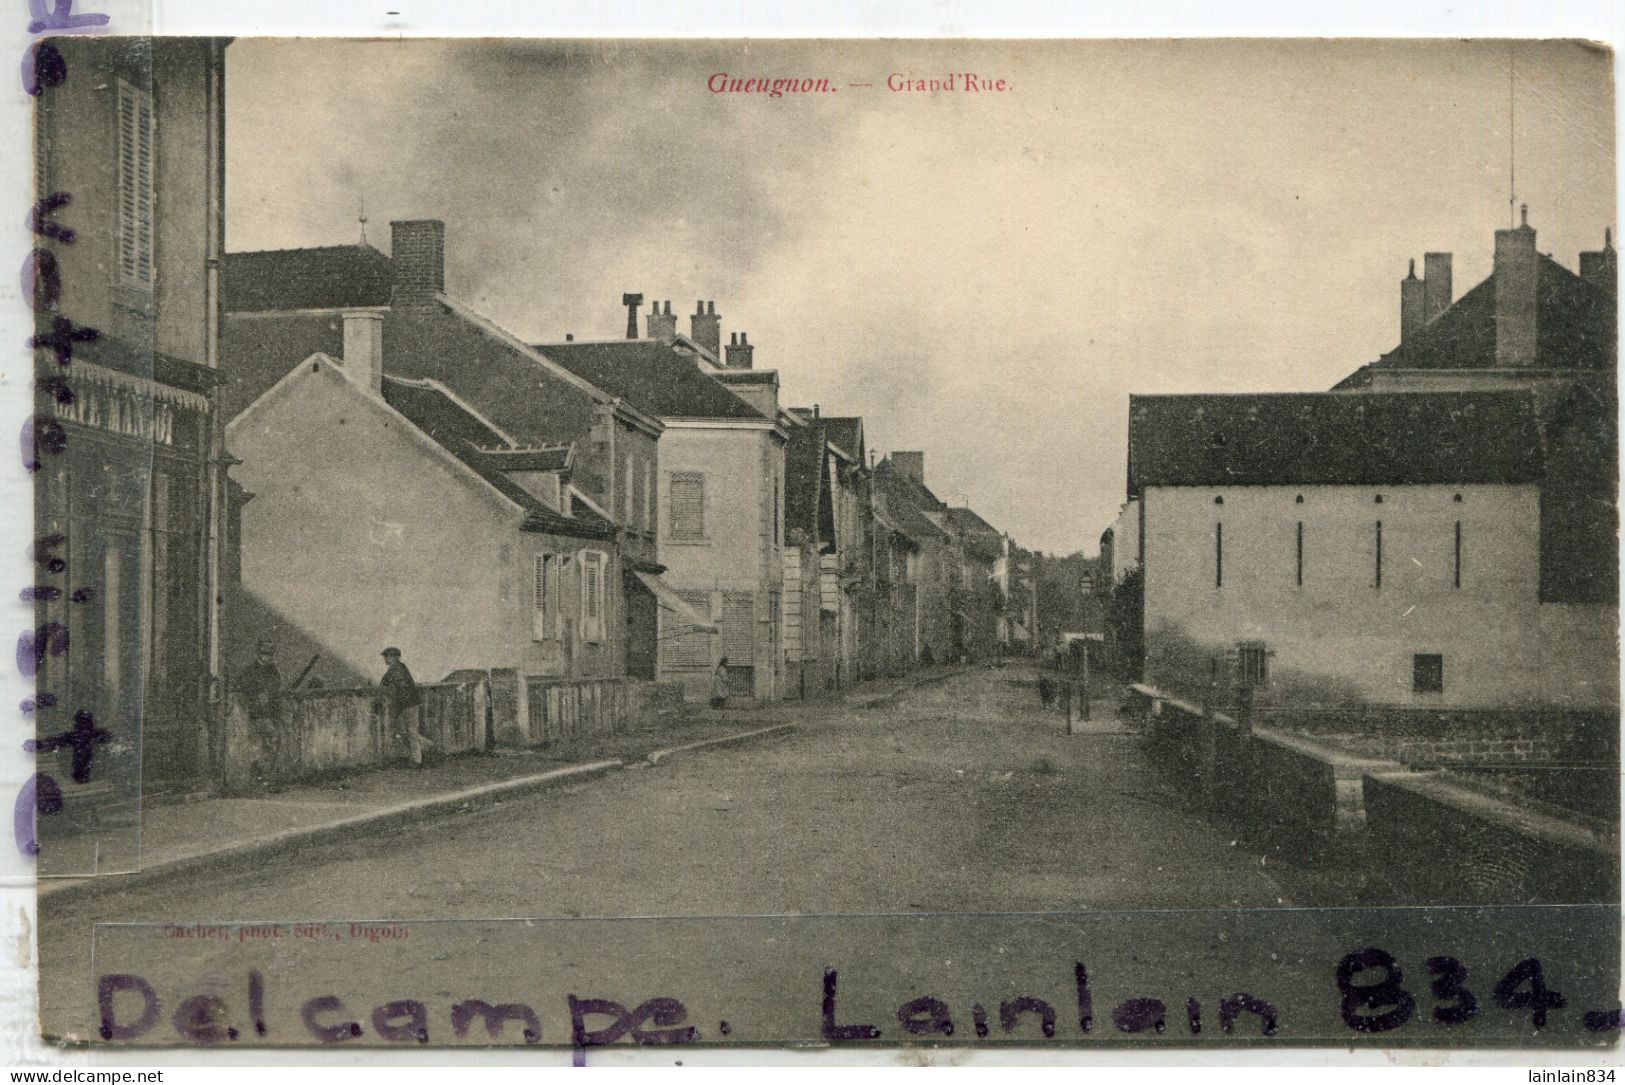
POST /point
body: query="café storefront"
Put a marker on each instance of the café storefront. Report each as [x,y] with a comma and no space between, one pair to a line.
[122,498]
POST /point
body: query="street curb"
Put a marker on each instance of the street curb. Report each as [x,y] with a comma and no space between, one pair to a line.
[743,736]
[292,839]
[881,698]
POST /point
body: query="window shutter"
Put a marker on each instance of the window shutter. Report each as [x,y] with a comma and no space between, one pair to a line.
[136,140]
[592,595]
[539,616]
[688,505]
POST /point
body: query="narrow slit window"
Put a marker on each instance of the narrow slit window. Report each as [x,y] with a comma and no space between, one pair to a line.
[1218,554]
[1379,554]
[1300,553]
[1458,554]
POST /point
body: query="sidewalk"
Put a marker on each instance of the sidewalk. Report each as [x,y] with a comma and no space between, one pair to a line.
[184,836]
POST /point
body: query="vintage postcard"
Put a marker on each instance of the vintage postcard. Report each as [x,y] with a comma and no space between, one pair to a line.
[1156,588]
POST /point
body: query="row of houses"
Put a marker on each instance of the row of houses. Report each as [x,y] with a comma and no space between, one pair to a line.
[1440,529]
[411,473]
[330,450]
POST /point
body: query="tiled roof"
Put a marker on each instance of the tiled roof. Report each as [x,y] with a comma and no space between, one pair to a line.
[1576,327]
[462,433]
[845,434]
[905,501]
[333,277]
[651,376]
[554,458]
[967,521]
[804,485]
[1330,438]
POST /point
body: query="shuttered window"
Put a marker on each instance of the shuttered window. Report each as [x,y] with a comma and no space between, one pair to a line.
[592,595]
[687,505]
[689,650]
[136,147]
[648,496]
[738,626]
[545,599]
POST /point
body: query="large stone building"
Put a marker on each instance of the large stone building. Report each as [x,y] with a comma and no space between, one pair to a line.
[128,337]
[1440,529]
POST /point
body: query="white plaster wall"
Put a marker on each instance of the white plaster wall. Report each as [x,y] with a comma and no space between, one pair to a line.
[365,538]
[1339,623]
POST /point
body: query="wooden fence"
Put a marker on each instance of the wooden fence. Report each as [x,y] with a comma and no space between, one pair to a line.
[565,711]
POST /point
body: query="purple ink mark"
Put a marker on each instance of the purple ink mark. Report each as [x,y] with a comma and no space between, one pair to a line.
[60,339]
[58,15]
[43,66]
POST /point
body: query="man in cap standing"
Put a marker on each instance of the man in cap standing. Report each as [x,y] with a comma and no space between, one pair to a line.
[260,687]
[402,705]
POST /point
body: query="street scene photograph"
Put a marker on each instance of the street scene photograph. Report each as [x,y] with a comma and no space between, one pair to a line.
[663,543]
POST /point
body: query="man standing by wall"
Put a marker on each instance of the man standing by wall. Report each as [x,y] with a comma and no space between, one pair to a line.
[403,705]
[260,686]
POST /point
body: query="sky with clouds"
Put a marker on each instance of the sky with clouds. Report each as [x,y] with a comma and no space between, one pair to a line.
[986,277]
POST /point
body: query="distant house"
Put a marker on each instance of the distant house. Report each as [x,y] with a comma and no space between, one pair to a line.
[823,582]
[923,580]
[283,306]
[384,511]
[721,485]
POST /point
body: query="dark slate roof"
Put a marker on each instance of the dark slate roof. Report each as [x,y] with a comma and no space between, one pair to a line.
[1330,438]
[748,376]
[652,376]
[1576,327]
[333,277]
[554,458]
[463,434]
[845,434]
[805,485]
[905,502]
[967,521]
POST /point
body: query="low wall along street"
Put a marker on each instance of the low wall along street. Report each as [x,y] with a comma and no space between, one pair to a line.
[1444,837]
[342,730]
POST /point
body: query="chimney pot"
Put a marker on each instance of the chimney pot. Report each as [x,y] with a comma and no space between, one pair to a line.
[739,352]
[417,255]
[363,360]
[1438,291]
[706,329]
[1516,271]
[1412,304]
[662,325]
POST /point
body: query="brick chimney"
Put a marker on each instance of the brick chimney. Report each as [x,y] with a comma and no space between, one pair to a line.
[707,327]
[364,349]
[1438,291]
[911,464]
[739,351]
[1410,305]
[1601,268]
[1517,266]
[417,251]
[662,325]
